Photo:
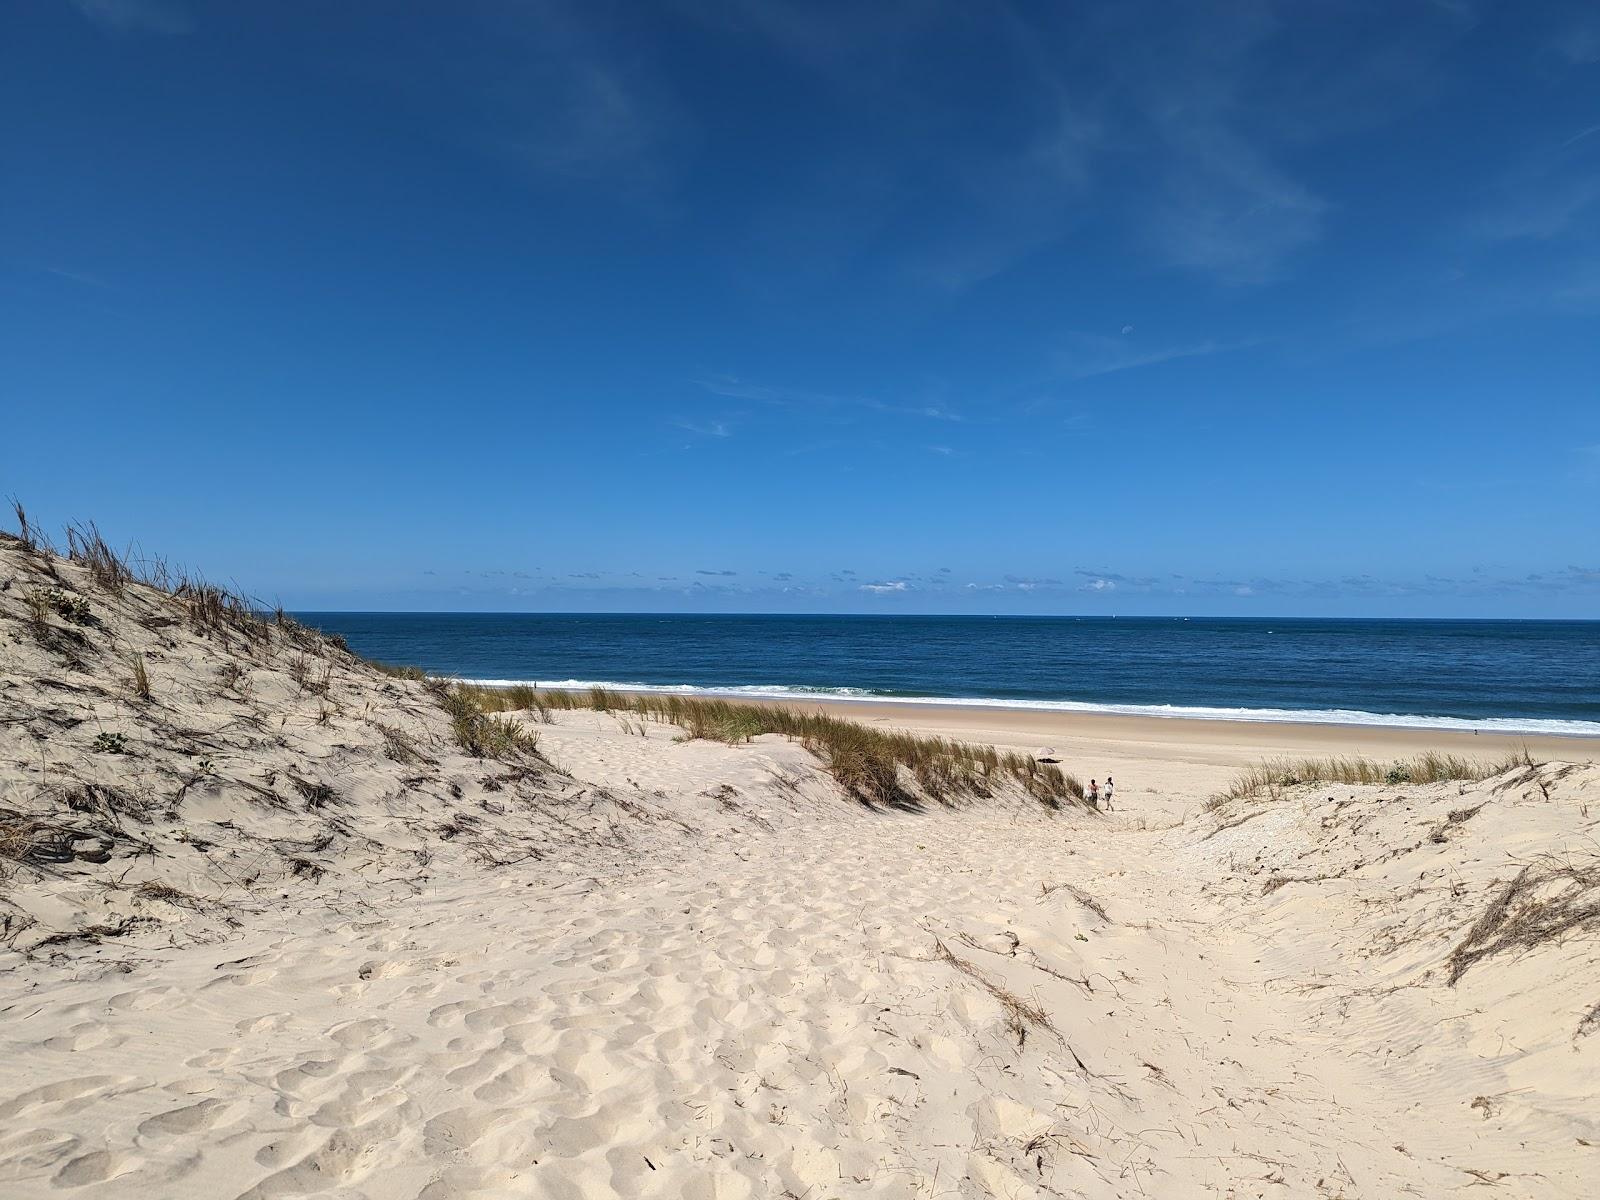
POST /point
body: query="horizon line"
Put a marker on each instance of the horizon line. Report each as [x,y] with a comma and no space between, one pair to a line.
[528,612]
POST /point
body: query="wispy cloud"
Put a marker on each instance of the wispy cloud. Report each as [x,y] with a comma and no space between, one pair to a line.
[137,16]
[82,277]
[1544,200]
[716,429]
[735,388]
[893,585]
[1090,354]
[1579,43]
[1589,462]
[1552,191]
[1225,209]
[561,96]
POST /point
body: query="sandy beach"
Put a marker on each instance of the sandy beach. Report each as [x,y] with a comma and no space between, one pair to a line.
[277,923]
[1176,758]
[802,601]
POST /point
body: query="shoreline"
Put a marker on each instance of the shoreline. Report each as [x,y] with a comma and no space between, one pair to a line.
[1357,719]
[1170,757]
[939,713]
[1315,737]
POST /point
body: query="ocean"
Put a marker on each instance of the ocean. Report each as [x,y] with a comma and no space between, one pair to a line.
[1517,676]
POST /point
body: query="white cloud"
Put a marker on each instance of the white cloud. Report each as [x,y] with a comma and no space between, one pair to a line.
[897,585]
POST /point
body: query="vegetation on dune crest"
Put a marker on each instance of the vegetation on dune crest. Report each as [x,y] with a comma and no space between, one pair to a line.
[1270,778]
[871,764]
[867,762]
[243,626]
[211,610]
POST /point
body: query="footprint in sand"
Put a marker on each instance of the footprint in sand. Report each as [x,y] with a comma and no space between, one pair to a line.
[95,1167]
[269,1023]
[70,1094]
[86,1035]
[370,1034]
[464,1183]
[191,1118]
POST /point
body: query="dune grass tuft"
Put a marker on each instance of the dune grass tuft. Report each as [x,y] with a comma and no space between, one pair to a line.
[109,570]
[481,733]
[140,676]
[28,534]
[870,764]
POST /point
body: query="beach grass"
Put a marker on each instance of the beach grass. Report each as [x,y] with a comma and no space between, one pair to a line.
[1273,776]
[868,763]
[479,731]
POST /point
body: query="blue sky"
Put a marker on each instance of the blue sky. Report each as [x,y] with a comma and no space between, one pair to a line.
[1109,307]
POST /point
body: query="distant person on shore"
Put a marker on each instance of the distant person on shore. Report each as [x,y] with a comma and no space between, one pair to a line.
[1108,793]
[1094,794]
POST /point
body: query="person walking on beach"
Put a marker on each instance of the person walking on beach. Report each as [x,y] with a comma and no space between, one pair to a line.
[1094,794]
[1108,793]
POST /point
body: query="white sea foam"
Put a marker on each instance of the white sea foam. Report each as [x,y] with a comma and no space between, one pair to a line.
[1315,716]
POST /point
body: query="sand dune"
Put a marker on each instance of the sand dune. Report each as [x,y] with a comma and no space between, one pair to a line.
[345,957]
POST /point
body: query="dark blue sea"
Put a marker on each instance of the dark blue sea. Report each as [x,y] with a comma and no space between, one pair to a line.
[1527,676]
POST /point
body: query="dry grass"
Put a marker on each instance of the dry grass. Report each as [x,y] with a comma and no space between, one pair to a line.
[1548,899]
[479,732]
[215,610]
[39,603]
[38,609]
[17,838]
[1021,1015]
[401,746]
[876,766]
[154,890]
[27,533]
[1078,894]
[140,680]
[210,609]
[109,570]
[1272,777]
[416,674]
[871,764]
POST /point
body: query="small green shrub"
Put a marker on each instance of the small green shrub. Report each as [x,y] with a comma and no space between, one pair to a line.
[110,743]
[69,606]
